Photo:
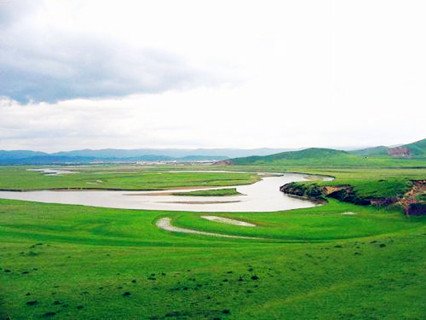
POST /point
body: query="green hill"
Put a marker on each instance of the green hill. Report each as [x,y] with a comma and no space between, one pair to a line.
[311,153]
[416,149]
[374,151]
[321,157]
[316,156]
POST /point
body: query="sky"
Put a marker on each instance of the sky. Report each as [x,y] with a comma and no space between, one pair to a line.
[208,74]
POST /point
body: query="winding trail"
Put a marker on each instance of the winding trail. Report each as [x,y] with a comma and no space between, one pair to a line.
[166,224]
[229,221]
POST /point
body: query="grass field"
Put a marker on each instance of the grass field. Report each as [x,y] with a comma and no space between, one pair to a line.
[371,173]
[328,158]
[367,182]
[75,262]
[117,177]
[380,182]
[90,263]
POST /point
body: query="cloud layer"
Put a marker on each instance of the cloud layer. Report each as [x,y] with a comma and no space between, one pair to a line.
[42,61]
[189,73]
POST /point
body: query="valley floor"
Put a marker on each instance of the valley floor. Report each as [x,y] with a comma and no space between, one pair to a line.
[75,262]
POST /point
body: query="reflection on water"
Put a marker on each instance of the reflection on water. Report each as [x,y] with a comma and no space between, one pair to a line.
[260,196]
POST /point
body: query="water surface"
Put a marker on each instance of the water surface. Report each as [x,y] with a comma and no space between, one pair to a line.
[262,196]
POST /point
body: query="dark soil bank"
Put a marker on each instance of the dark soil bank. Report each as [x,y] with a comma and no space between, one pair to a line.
[347,194]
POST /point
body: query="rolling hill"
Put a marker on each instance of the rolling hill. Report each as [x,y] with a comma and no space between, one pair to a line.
[413,154]
[20,154]
[410,150]
[374,151]
[417,148]
[311,154]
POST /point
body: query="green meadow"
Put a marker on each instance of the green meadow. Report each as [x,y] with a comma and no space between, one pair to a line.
[368,182]
[197,160]
[334,261]
[117,177]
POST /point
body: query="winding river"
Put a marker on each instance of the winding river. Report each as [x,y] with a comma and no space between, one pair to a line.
[262,196]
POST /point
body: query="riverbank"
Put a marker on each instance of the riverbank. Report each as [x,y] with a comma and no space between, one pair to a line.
[409,199]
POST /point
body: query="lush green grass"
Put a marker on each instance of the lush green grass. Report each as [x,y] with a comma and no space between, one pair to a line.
[370,177]
[375,183]
[330,158]
[318,263]
[316,224]
[117,177]
[392,187]
[417,148]
[79,262]
[320,157]
[367,182]
[421,197]
[210,193]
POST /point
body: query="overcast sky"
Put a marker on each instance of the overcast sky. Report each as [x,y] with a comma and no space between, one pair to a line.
[244,74]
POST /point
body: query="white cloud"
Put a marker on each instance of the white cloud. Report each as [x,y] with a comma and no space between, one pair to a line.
[43,58]
[219,74]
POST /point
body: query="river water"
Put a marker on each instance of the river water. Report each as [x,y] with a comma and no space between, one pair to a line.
[262,196]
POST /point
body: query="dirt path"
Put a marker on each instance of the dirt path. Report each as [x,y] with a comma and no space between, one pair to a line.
[166,224]
[229,221]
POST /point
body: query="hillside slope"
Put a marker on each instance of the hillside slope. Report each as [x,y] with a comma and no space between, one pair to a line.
[377,151]
[414,150]
[307,155]
[417,148]
[413,154]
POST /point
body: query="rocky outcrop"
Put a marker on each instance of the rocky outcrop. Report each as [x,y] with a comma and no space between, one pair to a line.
[347,194]
[383,202]
[416,209]
[409,201]
[314,191]
[311,191]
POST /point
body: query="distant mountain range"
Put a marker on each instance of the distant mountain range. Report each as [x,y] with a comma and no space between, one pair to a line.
[23,157]
[416,150]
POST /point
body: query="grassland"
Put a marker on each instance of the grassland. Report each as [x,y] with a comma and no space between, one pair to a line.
[376,157]
[210,193]
[371,172]
[75,262]
[373,182]
[367,182]
[323,158]
[117,177]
